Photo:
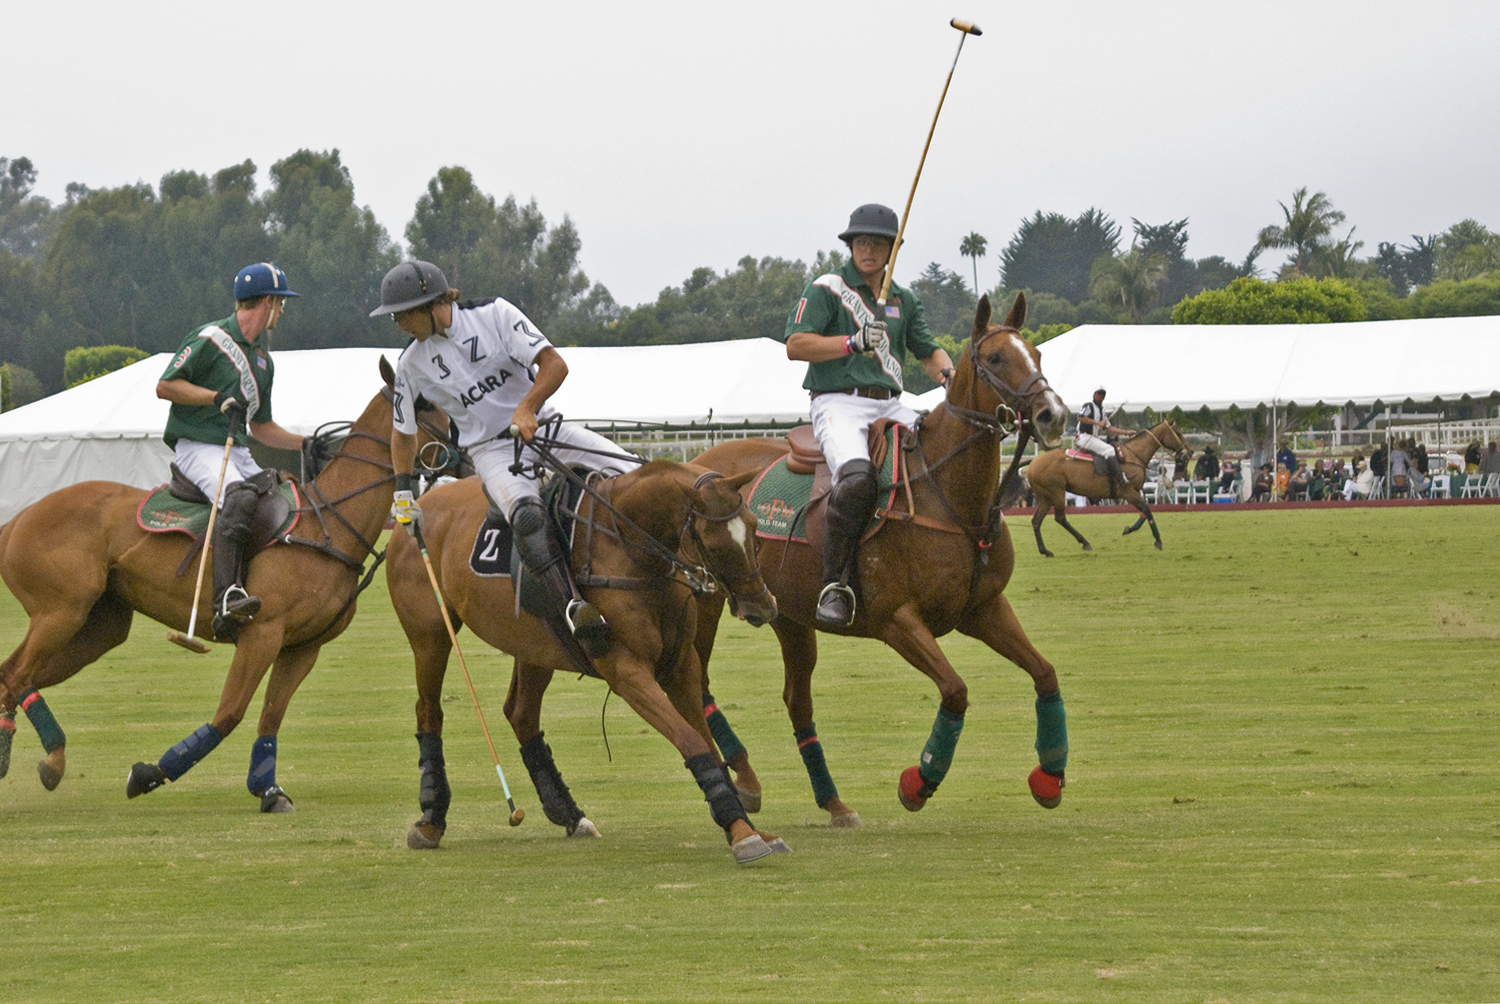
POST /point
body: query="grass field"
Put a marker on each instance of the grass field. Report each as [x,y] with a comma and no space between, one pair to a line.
[1283,787]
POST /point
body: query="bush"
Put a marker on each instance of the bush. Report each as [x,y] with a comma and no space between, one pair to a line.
[87,362]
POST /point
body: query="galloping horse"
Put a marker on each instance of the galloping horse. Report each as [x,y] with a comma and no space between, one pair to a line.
[1054,473]
[81,567]
[645,543]
[940,565]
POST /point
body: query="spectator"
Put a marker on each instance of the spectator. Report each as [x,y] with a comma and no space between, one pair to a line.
[1419,458]
[1299,484]
[1472,458]
[1207,467]
[1229,470]
[1286,458]
[1490,463]
[1400,465]
[1318,481]
[1264,484]
[1377,461]
[1362,484]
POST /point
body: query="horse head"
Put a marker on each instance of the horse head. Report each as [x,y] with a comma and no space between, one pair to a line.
[1000,369]
[723,528]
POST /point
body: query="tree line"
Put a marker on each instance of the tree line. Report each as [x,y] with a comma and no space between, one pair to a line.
[139,266]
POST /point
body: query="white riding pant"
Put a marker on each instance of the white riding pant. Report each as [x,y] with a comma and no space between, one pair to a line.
[841,422]
[492,459]
[201,463]
[1095,445]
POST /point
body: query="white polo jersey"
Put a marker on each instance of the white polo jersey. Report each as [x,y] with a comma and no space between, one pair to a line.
[477,371]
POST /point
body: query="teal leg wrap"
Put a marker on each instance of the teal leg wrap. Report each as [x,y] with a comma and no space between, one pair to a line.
[729,744]
[176,761]
[47,729]
[937,755]
[1051,733]
[262,774]
[811,749]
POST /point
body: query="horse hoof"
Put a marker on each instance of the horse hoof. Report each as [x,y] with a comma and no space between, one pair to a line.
[1045,788]
[912,790]
[273,799]
[144,778]
[1158,545]
[51,768]
[751,848]
[777,845]
[424,837]
[749,800]
[1088,547]
[846,821]
[583,828]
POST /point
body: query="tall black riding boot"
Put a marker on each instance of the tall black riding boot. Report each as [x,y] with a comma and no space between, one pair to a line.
[849,508]
[1118,481]
[233,607]
[544,558]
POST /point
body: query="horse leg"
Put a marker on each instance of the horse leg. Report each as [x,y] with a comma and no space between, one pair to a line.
[258,645]
[909,636]
[287,673]
[799,656]
[523,709]
[105,626]
[1062,520]
[1037,518]
[995,623]
[682,725]
[1145,517]
[735,755]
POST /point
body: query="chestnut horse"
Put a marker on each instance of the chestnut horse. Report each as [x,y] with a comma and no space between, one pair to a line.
[942,565]
[1054,472]
[81,567]
[646,544]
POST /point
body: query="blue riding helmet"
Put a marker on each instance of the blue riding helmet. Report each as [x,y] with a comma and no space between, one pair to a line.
[261,279]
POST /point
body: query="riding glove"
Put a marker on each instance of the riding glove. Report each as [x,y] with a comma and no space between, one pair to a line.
[406,511]
[230,405]
[871,337]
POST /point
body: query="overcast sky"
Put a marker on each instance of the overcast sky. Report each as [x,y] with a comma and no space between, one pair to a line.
[686,134]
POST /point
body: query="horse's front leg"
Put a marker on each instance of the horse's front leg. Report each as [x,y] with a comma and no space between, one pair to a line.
[523,709]
[799,657]
[258,645]
[287,673]
[1135,498]
[908,634]
[680,722]
[735,755]
[996,624]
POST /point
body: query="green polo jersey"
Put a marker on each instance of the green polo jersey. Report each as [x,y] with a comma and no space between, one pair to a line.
[836,305]
[218,357]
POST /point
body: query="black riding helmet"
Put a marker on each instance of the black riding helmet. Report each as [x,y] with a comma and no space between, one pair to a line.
[872,220]
[408,285]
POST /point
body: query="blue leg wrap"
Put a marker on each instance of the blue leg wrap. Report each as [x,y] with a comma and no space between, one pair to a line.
[718,792]
[718,726]
[262,766]
[1051,733]
[937,755]
[47,729]
[811,748]
[176,761]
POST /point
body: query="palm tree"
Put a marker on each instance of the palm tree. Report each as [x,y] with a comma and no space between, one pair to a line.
[972,247]
[1130,279]
[1308,222]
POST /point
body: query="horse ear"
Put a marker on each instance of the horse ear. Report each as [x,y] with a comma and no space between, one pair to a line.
[1017,316]
[982,316]
[386,373]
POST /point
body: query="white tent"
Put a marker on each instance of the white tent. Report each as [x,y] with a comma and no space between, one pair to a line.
[110,428]
[1163,366]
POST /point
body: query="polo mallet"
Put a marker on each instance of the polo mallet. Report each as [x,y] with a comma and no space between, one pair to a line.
[516,815]
[188,641]
[967,28]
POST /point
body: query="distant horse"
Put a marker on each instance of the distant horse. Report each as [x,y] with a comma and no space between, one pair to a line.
[941,564]
[641,559]
[81,566]
[1054,473]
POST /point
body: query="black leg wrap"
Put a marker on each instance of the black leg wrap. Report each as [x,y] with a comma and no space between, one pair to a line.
[557,801]
[723,804]
[435,795]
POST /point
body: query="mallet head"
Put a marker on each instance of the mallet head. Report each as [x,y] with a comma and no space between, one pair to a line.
[967,27]
[517,816]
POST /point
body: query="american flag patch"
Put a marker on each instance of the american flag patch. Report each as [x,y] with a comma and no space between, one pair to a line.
[893,310]
[801,305]
[260,361]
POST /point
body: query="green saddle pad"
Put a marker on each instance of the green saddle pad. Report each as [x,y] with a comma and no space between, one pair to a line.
[163,512]
[780,498]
